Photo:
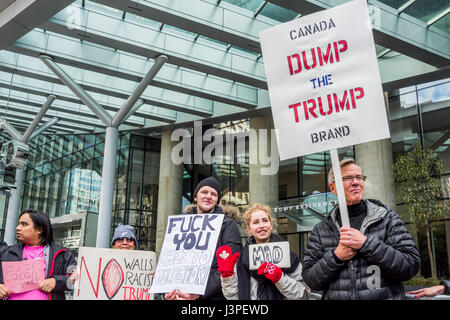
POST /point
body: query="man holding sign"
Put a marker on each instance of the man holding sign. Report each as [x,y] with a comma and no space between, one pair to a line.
[368,260]
[267,281]
[206,195]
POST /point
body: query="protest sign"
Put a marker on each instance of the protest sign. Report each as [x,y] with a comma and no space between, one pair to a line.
[323,79]
[114,274]
[22,276]
[187,253]
[277,253]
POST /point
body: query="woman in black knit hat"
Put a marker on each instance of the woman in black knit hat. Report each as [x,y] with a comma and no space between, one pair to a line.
[206,196]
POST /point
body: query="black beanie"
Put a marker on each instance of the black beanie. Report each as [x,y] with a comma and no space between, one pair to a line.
[210,182]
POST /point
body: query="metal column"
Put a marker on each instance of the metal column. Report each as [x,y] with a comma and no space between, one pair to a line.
[14,200]
[13,208]
[107,190]
[111,137]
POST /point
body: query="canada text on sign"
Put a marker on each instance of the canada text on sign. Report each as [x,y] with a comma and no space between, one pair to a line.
[324,83]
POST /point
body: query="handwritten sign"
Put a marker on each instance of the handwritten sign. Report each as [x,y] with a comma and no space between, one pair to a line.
[187,253]
[277,253]
[114,274]
[22,276]
[323,79]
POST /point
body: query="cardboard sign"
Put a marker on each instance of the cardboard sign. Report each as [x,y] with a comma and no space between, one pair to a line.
[22,276]
[187,253]
[277,253]
[114,274]
[324,84]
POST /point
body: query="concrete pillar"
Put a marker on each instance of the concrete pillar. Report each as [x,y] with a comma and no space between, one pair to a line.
[375,160]
[13,208]
[170,190]
[263,187]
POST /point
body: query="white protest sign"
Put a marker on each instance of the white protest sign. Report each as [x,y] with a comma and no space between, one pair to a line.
[114,274]
[324,84]
[187,253]
[277,253]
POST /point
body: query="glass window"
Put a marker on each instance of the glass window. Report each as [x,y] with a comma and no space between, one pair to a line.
[53,194]
[288,178]
[434,105]
[313,169]
[58,147]
[99,138]
[99,149]
[278,13]
[135,179]
[394,3]
[88,153]
[66,161]
[150,181]
[403,122]
[425,10]
[121,179]
[443,24]
[251,5]
[125,141]
[89,140]
[78,142]
[137,141]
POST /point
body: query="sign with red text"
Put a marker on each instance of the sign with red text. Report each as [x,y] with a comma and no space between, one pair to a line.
[324,84]
[114,274]
[23,276]
[187,253]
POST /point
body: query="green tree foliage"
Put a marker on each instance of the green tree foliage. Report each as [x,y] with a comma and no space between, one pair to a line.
[417,175]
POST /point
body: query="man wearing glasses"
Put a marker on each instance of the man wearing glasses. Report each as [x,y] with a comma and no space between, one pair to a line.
[368,260]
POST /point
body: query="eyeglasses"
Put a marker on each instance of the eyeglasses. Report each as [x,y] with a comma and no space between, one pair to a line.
[124,239]
[358,178]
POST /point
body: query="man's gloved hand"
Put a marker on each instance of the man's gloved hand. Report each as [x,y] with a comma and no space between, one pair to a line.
[226,260]
[270,271]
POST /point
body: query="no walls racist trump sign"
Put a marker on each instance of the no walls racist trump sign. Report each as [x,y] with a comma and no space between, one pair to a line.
[187,253]
[114,274]
[323,80]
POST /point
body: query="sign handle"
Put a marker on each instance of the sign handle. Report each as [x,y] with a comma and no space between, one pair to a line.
[340,187]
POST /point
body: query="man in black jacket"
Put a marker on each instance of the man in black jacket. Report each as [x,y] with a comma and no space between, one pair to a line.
[207,195]
[368,260]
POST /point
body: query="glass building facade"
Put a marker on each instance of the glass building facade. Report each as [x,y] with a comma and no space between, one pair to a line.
[63,177]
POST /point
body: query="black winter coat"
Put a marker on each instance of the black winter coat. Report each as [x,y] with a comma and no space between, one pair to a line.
[230,236]
[3,247]
[59,260]
[388,257]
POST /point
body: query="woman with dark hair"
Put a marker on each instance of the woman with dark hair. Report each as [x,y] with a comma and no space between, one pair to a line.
[35,235]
